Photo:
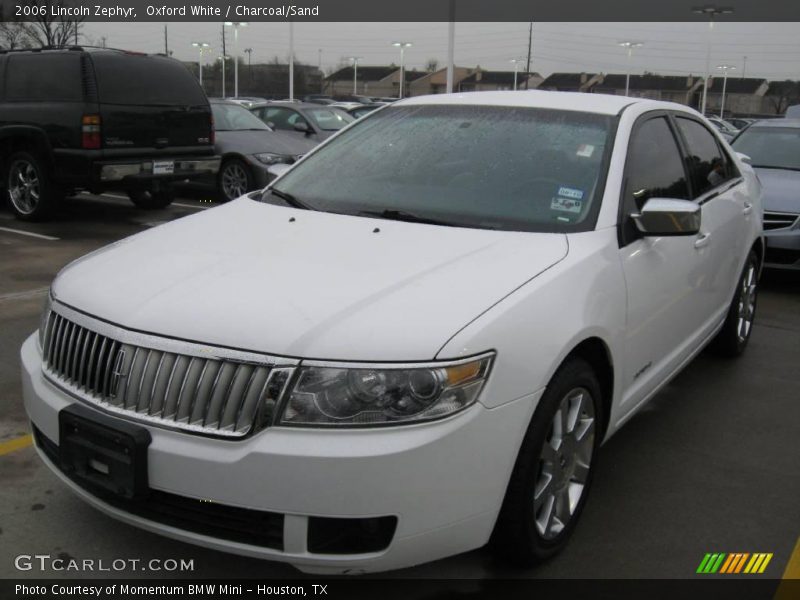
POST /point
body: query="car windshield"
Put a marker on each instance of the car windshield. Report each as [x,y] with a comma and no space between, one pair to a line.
[329,119]
[233,117]
[509,168]
[771,147]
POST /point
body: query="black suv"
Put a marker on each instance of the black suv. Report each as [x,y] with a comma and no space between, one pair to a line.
[99,119]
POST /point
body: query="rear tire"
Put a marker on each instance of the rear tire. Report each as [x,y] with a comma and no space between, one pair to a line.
[735,333]
[234,180]
[151,199]
[554,468]
[31,192]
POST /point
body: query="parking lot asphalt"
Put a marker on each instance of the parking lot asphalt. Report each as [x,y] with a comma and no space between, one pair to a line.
[712,464]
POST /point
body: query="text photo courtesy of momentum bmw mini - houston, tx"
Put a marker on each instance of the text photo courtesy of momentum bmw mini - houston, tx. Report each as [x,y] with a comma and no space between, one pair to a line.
[419,300]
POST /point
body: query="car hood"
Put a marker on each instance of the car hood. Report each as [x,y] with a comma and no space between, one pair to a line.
[307,284]
[780,189]
[254,142]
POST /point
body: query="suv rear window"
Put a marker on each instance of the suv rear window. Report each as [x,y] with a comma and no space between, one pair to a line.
[44,77]
[145,80]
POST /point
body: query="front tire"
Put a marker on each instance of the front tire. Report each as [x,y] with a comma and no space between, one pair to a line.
[735,333]
[32,194]
[554,468]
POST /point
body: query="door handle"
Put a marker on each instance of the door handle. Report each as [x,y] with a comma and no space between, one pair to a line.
[702,240]
[748,208]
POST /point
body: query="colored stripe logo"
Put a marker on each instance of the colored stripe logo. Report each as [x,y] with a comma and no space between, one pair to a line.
[734,563]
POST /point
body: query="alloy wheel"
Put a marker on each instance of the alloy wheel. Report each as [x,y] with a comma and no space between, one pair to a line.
[234,181]
[24,186]
[564,463]
[747,303]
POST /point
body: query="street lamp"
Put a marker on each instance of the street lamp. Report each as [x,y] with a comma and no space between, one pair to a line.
[236,25]
[202,47]
[711,11]
[515,62]
[724,69]
[355,60]
[402,46]
[223,58]
[629,46]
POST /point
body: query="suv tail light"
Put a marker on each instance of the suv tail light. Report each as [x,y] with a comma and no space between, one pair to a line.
[213,135]
[90,132]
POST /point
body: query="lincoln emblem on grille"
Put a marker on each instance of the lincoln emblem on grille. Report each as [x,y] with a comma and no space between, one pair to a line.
[117,375]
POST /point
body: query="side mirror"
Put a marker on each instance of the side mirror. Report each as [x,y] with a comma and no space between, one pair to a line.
[303,127]
[744,158]
[271,125]
[667,216]
[276,170]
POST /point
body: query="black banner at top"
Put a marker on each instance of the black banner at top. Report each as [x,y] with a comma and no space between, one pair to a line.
[400,10]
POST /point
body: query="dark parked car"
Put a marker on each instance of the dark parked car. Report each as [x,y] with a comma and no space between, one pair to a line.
[302,119]
[773,147]
[248,148]
[98,119]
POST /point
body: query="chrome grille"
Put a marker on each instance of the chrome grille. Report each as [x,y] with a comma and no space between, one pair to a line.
[778,220]
[204,394]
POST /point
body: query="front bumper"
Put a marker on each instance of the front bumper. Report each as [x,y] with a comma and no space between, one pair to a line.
[783,248]
[443,481]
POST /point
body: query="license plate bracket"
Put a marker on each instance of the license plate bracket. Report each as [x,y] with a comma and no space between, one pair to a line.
[102,453]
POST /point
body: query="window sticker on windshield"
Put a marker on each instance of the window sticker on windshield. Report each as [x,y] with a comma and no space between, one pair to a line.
[568,192]
[566,205]
[585,150]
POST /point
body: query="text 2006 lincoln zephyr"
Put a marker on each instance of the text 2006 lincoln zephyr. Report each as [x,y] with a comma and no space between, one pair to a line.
[413,343]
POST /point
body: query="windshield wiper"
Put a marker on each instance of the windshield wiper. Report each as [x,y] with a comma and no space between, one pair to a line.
[288,199]
[400,215]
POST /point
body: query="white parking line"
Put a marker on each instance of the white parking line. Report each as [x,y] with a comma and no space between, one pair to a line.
[24,295]
[36,235]
[194,206]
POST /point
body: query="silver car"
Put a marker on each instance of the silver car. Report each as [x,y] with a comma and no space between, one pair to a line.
[774,150]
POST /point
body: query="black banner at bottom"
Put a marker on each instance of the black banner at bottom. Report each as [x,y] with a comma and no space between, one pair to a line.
[734,588]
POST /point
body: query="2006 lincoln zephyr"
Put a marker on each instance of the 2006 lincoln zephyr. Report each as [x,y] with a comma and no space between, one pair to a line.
[412,343]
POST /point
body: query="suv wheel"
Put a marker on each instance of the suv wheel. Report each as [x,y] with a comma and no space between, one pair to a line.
[553,472]
[234,179]
[31,193]
[152,199]
[735,333]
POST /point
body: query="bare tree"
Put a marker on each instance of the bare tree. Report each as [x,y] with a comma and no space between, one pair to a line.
[13,33]
[783,94]
[432,65]
[47,30]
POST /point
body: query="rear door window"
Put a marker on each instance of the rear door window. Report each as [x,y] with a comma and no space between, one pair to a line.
[708,166]
[44,77]
[142,80]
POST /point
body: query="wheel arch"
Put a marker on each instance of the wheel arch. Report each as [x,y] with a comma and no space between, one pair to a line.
[597,353]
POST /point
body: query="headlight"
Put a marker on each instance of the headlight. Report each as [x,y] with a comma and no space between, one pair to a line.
[268,158]
[43,319]
[384,395]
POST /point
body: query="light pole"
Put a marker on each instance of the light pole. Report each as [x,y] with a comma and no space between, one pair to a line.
[355,60]
[249,52]
[236,25]
[515,62]
[724,69]
[402,46]
[202,47]
[711,11]
[291,60]
[629,46]
[223,58]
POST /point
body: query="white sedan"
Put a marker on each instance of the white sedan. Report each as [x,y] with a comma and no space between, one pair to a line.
[412,343]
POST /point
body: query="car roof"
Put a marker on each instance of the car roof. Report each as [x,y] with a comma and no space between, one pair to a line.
[608,104]
[793,123]
[291,104]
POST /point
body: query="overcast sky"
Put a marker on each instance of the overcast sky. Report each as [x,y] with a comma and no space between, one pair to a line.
[772,49]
